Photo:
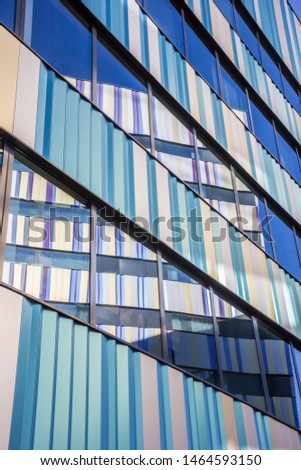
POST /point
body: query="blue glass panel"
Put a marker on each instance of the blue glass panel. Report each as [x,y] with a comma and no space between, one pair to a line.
[7,12]
[291,94]
[61,39]
[201,58]
[233,94]
[226,7]
[168,19]
[296,6]
[111,71]
[289,158]
[271,67]
[248,36]
[285,246]
[264,130]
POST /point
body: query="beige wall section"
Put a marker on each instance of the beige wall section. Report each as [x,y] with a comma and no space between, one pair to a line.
[230,422]
[9,58]
[150,403]
[27,96]
[10,321]
[177,408]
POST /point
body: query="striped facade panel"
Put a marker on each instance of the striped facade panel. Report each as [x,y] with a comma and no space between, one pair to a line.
[81,141]
[183,83]
[243,59]
[271,17]
[71,387]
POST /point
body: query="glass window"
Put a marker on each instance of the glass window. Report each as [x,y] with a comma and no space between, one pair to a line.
[189,324]
[271,67]
[47,245]
[289,158]
[285,246]
[247,35]
[291,94]
[127,293]
[217,186]
[174,144]
[121,95]
[281,376]
[239,358]
[264,130]
[296,6]
[7,13]
[226,8]
[253,215]
[234,95]
[168,19]
[63,41]
[201,58]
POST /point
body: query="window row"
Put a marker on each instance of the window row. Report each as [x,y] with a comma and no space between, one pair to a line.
[66,44]
[48,255]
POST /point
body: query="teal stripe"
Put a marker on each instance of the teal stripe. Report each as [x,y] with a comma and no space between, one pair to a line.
[58,119]
[221,421]
[216,439]
[164,407]
[41,109]
[202,415]
[119,162]
[71,133]
[238,263]
[95,391]
[97,143]
[144,41]
[26,378]
[153,196]
[62,390]
[123,399]
[105,394]
[191,414]
[129,181]
[43,423]
[219,124]
[83,167]
[112,395]
[242,438]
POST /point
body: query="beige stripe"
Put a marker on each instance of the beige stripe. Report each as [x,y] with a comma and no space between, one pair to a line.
[154,55]
[193,94]
[230,422]
[10,321]
[140,183]
[134,30]
[177,408]
[27,96]
[282,436]
[150,403]
[164,206]
[9,57]
[248,414]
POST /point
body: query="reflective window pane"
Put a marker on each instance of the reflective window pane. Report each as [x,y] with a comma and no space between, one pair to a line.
[296,6]
[264,130]
[289,158]
[174,144]
[285,246]
[201,58]
[291,93]
[281,376]
[121,95]
[247,35]
[234,95]
[271,67]
[7,13]
[63,41]
[168,19]
[239,358]
[226,7]
[217,183]
[127,294]
[47,245]
[189,324]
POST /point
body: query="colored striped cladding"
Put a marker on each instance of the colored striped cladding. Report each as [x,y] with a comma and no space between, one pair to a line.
[68,386]
[282,27]
[79,140]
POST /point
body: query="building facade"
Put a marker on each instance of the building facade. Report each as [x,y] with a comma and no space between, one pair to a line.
[150,235]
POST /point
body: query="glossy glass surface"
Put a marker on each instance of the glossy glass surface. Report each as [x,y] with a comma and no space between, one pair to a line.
[234,95]
[289,158]
[168,19]
[271,67]
[127,294]
[201,58]
[285,246]
[248,36]
[47,245]
[7,13]
[62,40]
[282,379]
[226,7]
[174,144]
[291,93]
[296,6]
[263,129]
